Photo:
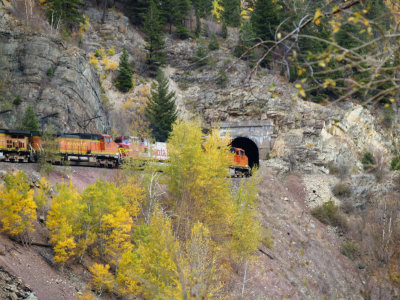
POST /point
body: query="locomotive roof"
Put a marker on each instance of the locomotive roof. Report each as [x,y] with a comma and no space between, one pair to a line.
[16,131]
[86,136]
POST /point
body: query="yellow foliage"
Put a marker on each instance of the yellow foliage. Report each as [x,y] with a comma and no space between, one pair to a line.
[111,51]
[86,296]
[93,60]
[200,265]
[107,64]
[152,263]
[43,193]
[101,217]
[102,279]
[17,211]
[133,194]
[85,25]
[246,234]
[115,231]
[17,207]
[198,181]
[216,10]
[62,222]
[317,17]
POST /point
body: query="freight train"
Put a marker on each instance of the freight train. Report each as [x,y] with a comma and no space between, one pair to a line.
[95,150]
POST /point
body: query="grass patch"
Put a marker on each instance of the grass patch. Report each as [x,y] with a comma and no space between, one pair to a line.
[350,249]
[329,214]
[341,190]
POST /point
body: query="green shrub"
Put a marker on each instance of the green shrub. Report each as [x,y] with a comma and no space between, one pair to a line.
[222,78]
[50,72]
[350,249]
[368,160]
[213,45]
[341,190]
[17,101]
[201,56]
[329,214]
[395,164]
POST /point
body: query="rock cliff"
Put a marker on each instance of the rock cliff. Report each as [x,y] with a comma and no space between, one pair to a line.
[57,80]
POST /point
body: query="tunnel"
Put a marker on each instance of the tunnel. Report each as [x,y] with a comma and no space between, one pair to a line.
[249,147]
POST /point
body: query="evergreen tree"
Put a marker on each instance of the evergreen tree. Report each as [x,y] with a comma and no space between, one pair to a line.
[230,12]
[64,12]
[124,79]
[155,45]
[137,11]
[161,109]
[224,31]
[202,7]
[179,14]
[29,120]
[265,19]
[213,45]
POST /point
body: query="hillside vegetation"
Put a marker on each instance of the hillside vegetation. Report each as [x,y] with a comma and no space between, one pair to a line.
[319,220]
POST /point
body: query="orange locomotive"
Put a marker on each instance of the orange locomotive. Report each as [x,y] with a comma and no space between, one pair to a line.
[240,166]
[15,146]
[92,149]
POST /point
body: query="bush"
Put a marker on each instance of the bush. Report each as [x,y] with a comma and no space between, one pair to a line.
[50,72]
[395,164]
[213,45]
[17,101]
[368,160]
[341,190]
[350,249]
[329,214]
[201,56]
[222,78]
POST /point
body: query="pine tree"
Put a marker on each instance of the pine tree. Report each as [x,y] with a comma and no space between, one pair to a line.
[155,45]
[230,12]
[29,120]
[124,79]
[202,7]
[180,13]
[213,45]
[161,109]
[265,19]
[137,11]
[64,12]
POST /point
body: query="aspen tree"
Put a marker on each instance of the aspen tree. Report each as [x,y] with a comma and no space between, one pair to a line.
[17,207]
[62,222]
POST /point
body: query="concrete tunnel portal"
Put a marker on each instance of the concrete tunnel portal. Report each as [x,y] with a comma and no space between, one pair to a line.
[249,147]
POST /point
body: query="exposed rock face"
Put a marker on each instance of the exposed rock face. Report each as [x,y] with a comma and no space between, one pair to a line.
[13,288]
[43,71]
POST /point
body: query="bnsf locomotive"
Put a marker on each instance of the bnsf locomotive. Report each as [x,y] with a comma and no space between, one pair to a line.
[23,146]
[95,149]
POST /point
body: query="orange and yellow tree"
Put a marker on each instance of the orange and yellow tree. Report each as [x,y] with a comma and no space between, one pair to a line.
[17,207]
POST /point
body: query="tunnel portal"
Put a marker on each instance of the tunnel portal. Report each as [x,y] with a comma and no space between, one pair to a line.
[249,147]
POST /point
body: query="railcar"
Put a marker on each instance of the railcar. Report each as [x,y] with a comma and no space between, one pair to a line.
[94,149]
[15,146]
[240,163]
[142,148]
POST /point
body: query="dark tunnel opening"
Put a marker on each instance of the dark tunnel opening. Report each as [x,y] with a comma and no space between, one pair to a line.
[249,147]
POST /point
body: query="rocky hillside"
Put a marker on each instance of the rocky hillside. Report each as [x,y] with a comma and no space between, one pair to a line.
[316,146]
